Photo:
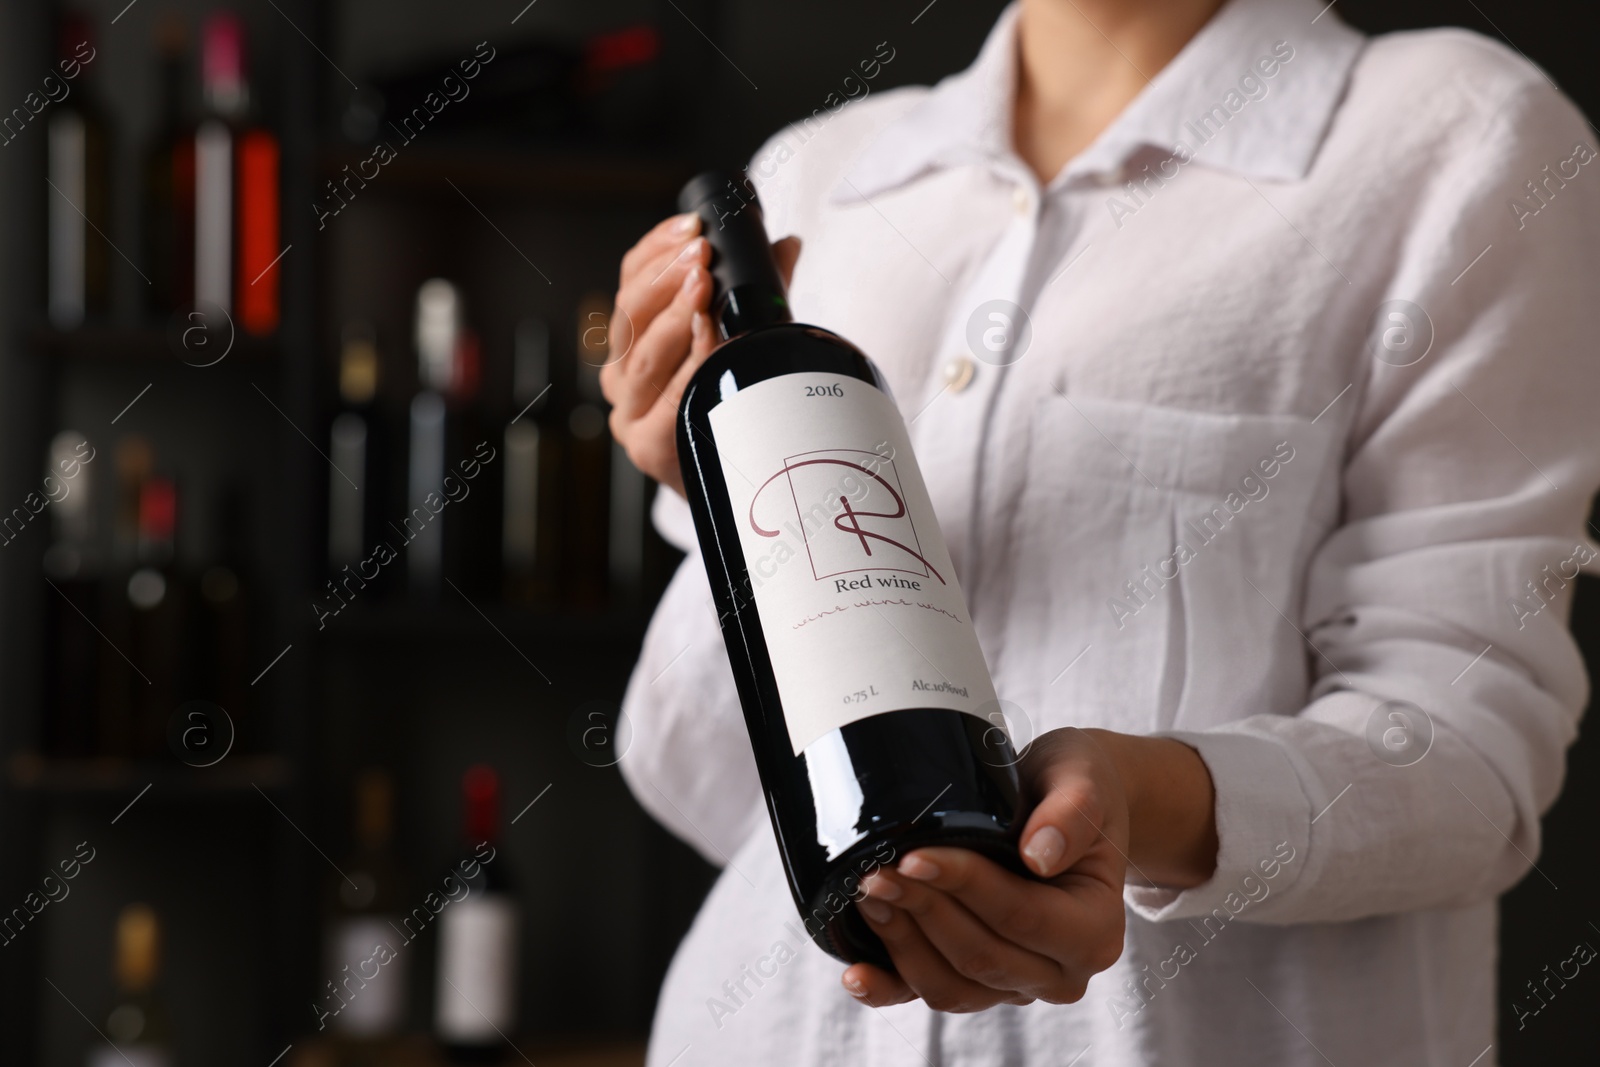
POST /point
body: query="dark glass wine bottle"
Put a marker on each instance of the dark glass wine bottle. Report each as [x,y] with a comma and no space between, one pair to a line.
[366,913]
[78,168]
[475,999]
[869,705]
[137,1029]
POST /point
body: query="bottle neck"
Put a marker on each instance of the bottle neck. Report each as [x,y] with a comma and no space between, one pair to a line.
[750,307]
[481,807]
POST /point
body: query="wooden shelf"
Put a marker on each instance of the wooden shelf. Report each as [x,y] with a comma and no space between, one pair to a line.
[30,772]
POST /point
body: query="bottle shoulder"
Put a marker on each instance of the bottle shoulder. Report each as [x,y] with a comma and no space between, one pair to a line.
[771,352]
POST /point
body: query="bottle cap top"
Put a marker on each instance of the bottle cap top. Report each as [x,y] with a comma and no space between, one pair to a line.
[222,62]
[748,291]
[374,808]
[75,33]
[358,364]
[158,510]
[438,331]
[138,947]
[480,788]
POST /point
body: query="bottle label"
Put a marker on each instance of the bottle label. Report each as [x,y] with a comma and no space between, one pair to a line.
[476,995]
[377,1003]
[851,580]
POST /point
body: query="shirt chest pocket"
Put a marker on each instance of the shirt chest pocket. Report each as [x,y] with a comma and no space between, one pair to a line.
[1158,563]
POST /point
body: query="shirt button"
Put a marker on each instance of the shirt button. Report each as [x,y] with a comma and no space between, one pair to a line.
[958,373]
[1021,201]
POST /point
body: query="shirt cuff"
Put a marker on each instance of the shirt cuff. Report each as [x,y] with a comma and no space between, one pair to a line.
[1263,829]
[673,520]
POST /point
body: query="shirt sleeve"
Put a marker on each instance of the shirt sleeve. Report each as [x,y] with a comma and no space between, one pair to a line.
[688,760]
[1447,686]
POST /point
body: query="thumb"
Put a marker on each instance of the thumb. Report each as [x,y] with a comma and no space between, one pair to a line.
[787,253]
[1069,813]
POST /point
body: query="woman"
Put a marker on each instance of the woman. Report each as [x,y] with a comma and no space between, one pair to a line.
[1248,364]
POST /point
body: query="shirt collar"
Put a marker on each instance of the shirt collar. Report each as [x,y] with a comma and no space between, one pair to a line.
[966,118]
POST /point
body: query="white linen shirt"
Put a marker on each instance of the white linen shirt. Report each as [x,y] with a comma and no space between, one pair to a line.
[1217,490]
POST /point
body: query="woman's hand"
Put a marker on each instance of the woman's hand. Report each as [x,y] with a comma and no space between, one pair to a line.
[966,934]
[660,334]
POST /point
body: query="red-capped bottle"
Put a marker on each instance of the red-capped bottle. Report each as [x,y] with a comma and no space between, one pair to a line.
[231,166]
[475,999]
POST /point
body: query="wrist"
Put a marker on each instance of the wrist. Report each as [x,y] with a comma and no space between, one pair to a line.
[1172,833]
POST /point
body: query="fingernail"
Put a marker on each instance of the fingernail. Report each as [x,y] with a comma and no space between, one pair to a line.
[697,326]
[691,250]
[1045,849]
[854,987]
[882,888]
[691,278]
[923,870]
[878,913]
[685,223]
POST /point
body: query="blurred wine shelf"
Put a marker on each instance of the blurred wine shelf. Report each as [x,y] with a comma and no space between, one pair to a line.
[575,178]
[29,771]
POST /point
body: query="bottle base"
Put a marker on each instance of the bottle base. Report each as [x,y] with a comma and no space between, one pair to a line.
[831,917]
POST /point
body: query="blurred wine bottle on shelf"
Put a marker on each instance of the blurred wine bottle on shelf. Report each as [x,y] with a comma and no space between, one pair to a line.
[137,1025]
[443,524]
[352,483]
[630,491]
[156,607]
[169,175]
[77,152]
[526,545]
[438,338]
[475,993]
[134,627]
[215,193]
[73,565]
[588,537]
[216,655]
[133,465]
[365,912]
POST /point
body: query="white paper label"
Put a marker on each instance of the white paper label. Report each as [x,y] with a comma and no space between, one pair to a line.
[377,1004]
[855,591]
[476,996]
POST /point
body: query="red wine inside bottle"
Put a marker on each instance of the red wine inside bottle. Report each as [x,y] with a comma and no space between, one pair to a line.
[870,708]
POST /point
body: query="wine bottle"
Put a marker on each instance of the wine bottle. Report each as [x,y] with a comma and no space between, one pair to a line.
[236,200]
[168,216]
[137,1024]
[587,541]
[476,994]
[217,650]
[78,165]
[157,605]
[366,910]
[349,483]
[438,337]
[73,567]
[870,708]
[524,553]
[223,88]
